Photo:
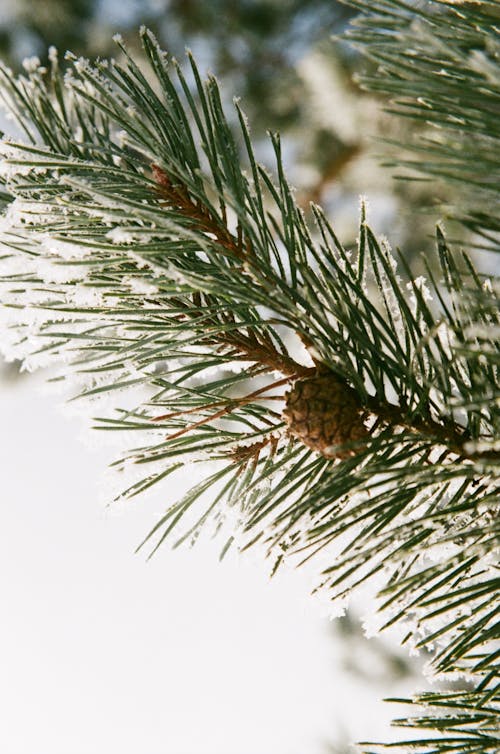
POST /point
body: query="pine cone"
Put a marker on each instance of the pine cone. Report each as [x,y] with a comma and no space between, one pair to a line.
[325,413]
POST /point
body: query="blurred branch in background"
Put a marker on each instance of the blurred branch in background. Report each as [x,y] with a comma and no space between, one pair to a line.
[286,60]
[378,660]
[10,370]
[29,27]
[438,63]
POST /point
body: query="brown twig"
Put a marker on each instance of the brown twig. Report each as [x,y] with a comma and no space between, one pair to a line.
[262,350]
[176,195]
[242,454]
[258,349]
[227,407]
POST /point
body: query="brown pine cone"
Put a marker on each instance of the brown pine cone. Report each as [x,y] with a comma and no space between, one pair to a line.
[325,413]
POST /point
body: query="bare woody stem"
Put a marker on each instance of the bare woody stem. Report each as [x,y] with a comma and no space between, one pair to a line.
[261,348]
[176,195]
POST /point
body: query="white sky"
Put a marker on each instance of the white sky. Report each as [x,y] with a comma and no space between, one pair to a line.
[102,652]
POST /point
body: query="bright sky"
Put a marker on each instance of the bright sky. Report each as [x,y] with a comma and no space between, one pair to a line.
[102,652]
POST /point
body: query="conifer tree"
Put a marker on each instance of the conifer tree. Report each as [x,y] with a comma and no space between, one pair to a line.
[349,410]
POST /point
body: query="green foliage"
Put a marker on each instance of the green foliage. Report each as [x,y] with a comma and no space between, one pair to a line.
[466,723]
[149,254]
[438,62]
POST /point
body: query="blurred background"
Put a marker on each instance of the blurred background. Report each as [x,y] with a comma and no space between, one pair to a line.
[101,651]
[286,62]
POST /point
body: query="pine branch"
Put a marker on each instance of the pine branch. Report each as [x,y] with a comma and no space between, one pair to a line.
[464,721]
[146,253]
[260,350]
[438,62]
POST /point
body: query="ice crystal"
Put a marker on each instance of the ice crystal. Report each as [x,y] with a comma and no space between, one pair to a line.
[32,64]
